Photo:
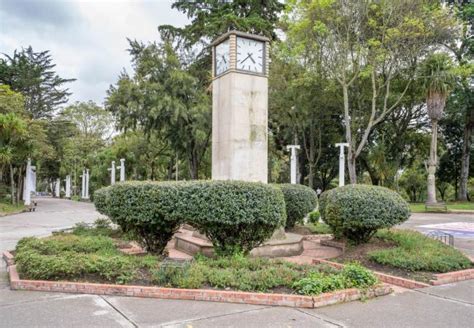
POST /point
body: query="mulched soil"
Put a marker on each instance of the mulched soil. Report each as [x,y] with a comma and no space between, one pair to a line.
[359,253]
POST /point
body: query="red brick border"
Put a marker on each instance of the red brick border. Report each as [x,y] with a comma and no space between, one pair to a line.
[288,300]
[388,279]
[450,277]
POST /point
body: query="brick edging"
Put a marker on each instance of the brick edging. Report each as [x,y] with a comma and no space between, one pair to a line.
[450,277]
[386,278]
[288,300]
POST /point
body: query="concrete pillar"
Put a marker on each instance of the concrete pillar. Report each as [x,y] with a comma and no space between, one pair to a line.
[57,188]
[293,165]
[342,161]
[112,173]
[83,187]
[122,169]
[27,184]
[86,191]
[68,186]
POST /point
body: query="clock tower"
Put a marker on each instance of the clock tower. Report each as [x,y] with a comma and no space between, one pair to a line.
[240,107]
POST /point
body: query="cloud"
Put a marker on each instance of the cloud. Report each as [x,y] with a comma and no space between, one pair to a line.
[87,39]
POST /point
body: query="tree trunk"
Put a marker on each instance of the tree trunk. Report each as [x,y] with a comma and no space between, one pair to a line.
[466,150]
[12,185]
[351,166]
[431,183]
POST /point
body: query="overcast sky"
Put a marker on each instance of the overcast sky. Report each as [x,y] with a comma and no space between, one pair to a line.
[86,38]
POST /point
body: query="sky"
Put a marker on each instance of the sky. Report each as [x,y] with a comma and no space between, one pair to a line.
[87,39]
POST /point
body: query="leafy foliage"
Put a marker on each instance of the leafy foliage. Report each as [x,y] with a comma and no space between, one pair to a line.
[67,256]
[352,276]
[358,211]
[299,201]
[416,252]
[235,216]
[31,73]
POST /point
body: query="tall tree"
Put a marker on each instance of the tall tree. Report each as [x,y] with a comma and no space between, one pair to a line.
[374,44]
[164,98]
[32,73]
[436,71]
[463,50]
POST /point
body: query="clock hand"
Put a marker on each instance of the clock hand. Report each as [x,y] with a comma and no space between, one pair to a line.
[245,59]
[250,56]
[223,58]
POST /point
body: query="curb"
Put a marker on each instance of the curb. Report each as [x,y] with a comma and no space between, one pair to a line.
[440,278]
[450,277]
[287,300]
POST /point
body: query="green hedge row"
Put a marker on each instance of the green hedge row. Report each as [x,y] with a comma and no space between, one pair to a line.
[356,212]
[234,215]
[299,200]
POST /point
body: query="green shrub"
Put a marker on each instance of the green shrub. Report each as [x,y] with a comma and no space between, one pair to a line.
[357,276]
[358,211]
[417,252]
[67,256]
[143,209]
[236,216]
[352,276]
[299,201]
[234,272]
[314,217]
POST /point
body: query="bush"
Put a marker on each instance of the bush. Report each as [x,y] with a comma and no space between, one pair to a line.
[299,201]
[236,216]
[356,212]
[67,256]
[314,217]
[142,209]
[352,276]
[417,252]
[235,272]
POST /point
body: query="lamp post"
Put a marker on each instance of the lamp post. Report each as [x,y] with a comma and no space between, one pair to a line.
[342,159]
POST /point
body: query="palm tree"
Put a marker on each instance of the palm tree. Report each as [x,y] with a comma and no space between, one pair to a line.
[438,77]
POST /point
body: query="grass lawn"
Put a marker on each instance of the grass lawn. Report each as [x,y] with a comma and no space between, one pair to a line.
[420,207]
[92,255]
[6,208]
[408,254]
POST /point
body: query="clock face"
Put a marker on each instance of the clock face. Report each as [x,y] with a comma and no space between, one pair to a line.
[250,55]
[222,59]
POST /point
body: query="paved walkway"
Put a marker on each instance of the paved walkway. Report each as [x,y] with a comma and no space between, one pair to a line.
[444,306]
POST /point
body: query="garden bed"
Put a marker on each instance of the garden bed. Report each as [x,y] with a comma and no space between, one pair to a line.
[89,261]
[406,254]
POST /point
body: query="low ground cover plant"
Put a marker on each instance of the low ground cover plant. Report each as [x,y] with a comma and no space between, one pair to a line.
[417,252]
[299,201]
[352,276]
[236,216]
[69,256]
[356,212]
[95,258]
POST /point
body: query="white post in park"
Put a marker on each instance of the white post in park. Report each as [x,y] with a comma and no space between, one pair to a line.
[122,169]
[342,159]
[27,185]
[293,158]
[86,191]
[68,186]
[83,188]
[57,189]
[112,173]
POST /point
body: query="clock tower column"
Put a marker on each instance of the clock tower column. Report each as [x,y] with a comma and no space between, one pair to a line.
[240,107]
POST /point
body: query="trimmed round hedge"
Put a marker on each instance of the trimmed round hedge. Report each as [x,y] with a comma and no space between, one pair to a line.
[236,216]
[356,212]
[142,209]
[299,200]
